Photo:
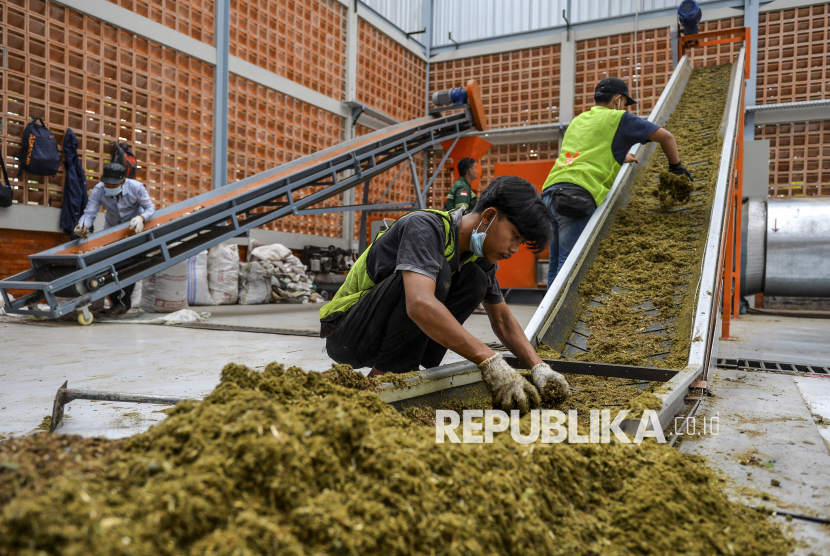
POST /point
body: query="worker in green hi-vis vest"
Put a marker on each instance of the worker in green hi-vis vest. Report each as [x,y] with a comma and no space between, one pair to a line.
[461,193]
[594,148]
[406,298]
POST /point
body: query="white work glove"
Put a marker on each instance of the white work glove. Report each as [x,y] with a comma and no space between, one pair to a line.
[551,385]
[508,388]
[137,224]
[81,231]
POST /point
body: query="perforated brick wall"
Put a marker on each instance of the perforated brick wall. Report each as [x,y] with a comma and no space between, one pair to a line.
[106,85]
[517,88]
[799,158]
[519,152]
[793,55]
[613,56]
[191,17]
[390,78]
[267,129]
[301,41]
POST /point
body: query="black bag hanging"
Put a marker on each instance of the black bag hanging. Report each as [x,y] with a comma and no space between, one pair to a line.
[40,155]
[6,191]
[123,155]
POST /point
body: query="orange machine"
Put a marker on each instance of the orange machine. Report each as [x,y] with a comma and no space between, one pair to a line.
[519,271]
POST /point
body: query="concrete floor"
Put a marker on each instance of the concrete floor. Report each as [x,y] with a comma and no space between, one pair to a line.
[773,426]
[144,358]
[794,340]
[769,416]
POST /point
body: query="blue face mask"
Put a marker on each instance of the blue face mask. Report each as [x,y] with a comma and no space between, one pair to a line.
[112,192]
[477,240]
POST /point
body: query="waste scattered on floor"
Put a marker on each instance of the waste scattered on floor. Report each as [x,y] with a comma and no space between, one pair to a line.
[287,462]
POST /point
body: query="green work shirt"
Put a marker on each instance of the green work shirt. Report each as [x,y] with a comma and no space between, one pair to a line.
[461,195]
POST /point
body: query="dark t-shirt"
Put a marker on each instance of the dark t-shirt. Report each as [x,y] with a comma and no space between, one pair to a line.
[416,243]
[632,130]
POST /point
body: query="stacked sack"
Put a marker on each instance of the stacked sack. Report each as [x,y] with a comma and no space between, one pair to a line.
[272,274]
[289,279]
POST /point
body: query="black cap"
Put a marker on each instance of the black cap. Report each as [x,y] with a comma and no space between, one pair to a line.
[114,173]
[616,86]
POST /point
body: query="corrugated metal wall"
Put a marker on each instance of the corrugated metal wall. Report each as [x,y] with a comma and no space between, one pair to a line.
[470,20]
[405,14]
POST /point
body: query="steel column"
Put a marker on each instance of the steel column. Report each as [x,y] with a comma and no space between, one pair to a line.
[222,30]
[427,12]
[352,46]
[751,10]
[361,239]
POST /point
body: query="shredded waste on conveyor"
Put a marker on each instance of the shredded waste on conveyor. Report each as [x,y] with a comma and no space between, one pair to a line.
[284,462]
[639,296]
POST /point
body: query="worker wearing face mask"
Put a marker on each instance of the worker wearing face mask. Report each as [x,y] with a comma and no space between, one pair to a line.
[405,300]
[124,200]
[594,147]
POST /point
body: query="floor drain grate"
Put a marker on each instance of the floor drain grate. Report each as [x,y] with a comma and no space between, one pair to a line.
[773,366]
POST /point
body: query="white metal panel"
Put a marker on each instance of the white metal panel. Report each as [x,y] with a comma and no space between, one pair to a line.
[471,20]
[407,15]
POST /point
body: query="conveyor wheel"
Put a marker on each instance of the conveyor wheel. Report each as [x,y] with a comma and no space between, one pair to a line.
[33,307]
[85,317]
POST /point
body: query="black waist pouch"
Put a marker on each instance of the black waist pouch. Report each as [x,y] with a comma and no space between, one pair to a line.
[572,201]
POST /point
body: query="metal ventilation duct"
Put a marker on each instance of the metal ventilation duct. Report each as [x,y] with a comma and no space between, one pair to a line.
[790,240]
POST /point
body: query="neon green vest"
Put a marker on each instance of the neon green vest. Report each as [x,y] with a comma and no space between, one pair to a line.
[586,158]
[358,282]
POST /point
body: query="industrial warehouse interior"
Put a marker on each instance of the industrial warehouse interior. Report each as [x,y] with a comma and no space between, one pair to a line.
[415,277]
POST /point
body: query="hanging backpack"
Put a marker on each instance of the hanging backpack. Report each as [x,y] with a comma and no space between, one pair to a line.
[123,155]
[40,150]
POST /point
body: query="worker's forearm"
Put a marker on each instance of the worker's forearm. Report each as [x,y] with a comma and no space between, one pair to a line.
[510,333]
[438,323]
[669,146]
[89,214]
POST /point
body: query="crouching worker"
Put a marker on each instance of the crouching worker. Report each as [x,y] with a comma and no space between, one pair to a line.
[124,200]
[405,300]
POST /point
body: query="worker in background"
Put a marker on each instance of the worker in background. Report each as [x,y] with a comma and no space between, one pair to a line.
[124,200]
[461,193]
[404,301]
[595,146]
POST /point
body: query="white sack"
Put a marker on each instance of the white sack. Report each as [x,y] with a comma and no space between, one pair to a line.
[254,284]
[271,253]
[165,291]
[135,299]
[198,292]
[223,274]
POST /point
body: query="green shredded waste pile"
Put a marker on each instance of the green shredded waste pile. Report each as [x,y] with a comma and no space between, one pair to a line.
[284,462]
[673,190]
[652,255]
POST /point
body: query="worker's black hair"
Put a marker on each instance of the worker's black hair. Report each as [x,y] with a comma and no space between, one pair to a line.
[518,201]
[464,166]
[604,98]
